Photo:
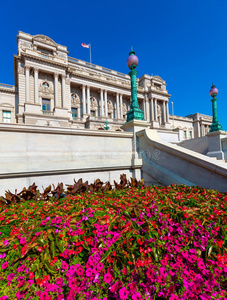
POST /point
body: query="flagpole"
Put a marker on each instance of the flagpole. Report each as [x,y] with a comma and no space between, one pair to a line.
[90,53]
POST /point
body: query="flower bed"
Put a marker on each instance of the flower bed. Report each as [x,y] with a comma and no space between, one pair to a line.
[136,243]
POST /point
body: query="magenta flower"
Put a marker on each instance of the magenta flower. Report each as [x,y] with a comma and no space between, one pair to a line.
[64,265]
[2,255]
[80,271]
[100,266]
[43,222]
[23,241]
[5,265]
[108,278]
[137,296]
[6,243]
[123,293]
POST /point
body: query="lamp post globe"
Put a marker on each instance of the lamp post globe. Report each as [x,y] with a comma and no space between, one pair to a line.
[132,60]
[213,91]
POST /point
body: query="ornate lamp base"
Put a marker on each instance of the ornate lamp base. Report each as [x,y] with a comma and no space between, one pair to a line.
[135,113]
[215,127]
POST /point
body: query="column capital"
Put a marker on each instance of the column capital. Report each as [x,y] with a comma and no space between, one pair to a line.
[27,67]
[36,69]
[56,74]
[63,76]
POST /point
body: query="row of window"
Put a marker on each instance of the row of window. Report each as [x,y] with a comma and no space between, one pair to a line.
[46,108]
[185,134]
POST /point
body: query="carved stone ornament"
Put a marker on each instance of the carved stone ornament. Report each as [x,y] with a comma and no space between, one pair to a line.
[44,39]
[158,78]
[124,107]
[20,70]
[110,105]
[75,100]
[159,110]
[24,45]
[94,103]
[46,88]
[67,80]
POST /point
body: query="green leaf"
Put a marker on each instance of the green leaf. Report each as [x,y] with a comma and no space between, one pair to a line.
[106,254]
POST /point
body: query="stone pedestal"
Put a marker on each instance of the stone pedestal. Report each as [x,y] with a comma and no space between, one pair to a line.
[32,107]
[155,124]
[61,112]
[215,145]
[135,126]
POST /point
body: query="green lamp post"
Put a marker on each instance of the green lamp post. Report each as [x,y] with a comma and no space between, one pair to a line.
[135,112]
[107,127]
[215,126]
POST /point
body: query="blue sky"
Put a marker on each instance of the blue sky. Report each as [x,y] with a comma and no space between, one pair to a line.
[183,41]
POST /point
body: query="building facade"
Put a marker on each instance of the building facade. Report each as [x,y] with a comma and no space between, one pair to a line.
[56,90]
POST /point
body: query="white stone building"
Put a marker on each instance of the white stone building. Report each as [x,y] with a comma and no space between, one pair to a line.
[56,90]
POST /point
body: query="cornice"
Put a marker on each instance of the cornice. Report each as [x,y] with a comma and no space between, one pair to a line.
[42,59]
[8,91]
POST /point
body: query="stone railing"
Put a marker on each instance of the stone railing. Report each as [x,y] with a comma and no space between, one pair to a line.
[7,86]
[81,62]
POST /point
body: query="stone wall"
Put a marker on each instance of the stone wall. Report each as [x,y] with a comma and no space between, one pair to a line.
[51,155]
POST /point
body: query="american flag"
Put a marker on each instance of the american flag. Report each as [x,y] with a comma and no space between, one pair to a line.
[85,45]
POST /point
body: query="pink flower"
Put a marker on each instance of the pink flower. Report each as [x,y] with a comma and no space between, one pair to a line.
[100,266]
[64,265]
[123,293]
[5,265]
[80,271]
[88,273]
[124,271]
[201,265]
[23,241]
[137,296]
[108,278]
[43,222]
[6,243]
[174,297]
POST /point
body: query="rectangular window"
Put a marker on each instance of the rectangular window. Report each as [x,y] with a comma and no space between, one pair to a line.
[92,113]
[74,113]
[185,134]
[46,106]
[6,116]
[190,132]
[109,115]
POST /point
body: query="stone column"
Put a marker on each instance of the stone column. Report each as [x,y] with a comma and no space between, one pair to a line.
[155,110]
[56,90]
[152,109]
[147,110]
[167,112]
[101,98]
[88,100]
[121,107]
[203,130]
[36,85]
[117,103]
[106,107]
[164,111]
[27,83]
[84,99]
[63,91]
